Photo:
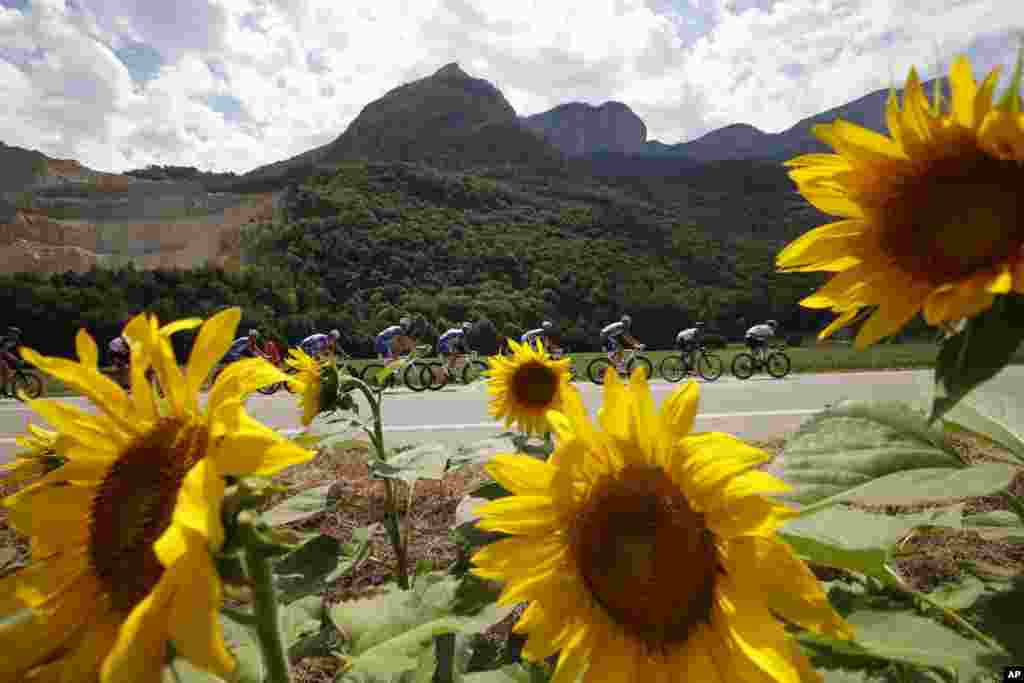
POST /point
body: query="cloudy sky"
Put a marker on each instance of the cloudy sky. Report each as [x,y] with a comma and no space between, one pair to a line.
[229,85]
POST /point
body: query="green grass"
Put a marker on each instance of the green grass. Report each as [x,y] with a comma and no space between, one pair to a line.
[829,357]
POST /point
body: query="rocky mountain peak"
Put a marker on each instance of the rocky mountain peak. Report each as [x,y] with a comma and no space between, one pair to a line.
[580,129]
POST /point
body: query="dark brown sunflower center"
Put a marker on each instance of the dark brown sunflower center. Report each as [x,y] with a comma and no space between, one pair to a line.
[133,507]
[646,556]
[959,215]
[535,384]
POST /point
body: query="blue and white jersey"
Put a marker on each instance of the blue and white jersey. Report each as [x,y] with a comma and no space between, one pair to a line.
[452,336]
[315,344]
[238,348]
[614,330]
[389,333]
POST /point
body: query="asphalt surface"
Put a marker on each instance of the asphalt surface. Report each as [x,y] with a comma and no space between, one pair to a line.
[756,409]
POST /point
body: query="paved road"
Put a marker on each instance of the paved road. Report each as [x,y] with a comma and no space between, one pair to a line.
[759,408]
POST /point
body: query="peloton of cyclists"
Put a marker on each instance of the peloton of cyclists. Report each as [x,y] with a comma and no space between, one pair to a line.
[758,336]
[616,338]
[451,344]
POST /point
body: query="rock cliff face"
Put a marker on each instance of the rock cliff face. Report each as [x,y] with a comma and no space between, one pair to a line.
[578,129]
[59,215]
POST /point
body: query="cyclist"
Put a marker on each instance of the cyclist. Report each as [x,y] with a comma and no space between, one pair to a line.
[689,340]
[246,346]
[8,361]
[542,334]
[613,336]
[394,340]
[451,344]
[757,337]
[320,345]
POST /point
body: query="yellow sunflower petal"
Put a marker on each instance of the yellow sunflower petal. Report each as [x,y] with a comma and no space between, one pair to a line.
[788,586]
[1002,135]
[712,459]
[983,100]
[615,413]
[840,321]
[956,301]
[199,502]
[572,660]
[94,431]
[211,344]
[857,143]
[518,554]
[749,483]
[141,647]
[888,319]
[753,515]
[518,515]
[964,92]
[521,474]
[1001,282]
[89,652]
[88,354]
[823,245]
[644,415]
[55,515]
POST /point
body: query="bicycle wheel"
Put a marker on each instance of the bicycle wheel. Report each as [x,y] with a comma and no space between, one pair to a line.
[270,389]
[709,366]
[413,378]
[434,376]
[370,373]
[778,364]
[641,362]
[743,366]
[27,383]
[672,368]
[596,369]
[473,371]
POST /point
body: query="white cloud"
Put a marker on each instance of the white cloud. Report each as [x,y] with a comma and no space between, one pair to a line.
[301,70]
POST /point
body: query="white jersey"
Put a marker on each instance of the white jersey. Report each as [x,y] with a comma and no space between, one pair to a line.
[761,332]
[687,335]
[118,345]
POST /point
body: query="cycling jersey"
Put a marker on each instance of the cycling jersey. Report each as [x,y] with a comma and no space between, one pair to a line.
[382,343]
[118,345]
[451,340]
[616,329]
[240,347]
[687,336]
[760,332]
[315,344]
[8,347]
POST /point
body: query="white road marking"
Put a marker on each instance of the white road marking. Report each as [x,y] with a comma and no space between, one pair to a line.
[498,425]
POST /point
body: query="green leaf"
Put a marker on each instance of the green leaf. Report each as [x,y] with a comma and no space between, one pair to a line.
[301,619]
[243,644]
[903,637]
[355,552]
[512,673]
[960,594]
[302,571]
[426,461]
[991,414]
[996,525]
[481,452]
[847,538]
[979,351]
[302,506]
[491,491]
[855,443]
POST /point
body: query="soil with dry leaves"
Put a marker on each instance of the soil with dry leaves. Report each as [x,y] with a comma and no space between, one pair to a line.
[927,559]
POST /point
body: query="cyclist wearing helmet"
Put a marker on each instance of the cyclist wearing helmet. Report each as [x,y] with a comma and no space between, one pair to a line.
[616,337]
[395,340]
[757,337]
[319,345]
[452,343]
[8,361]
[541,334]
[120,354]
[688,340]
[243,346]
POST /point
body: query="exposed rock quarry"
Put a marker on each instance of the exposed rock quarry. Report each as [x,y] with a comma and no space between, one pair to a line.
[578,129]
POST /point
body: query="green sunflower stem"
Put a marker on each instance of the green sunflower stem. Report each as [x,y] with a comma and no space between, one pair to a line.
[392,521]
[265,610]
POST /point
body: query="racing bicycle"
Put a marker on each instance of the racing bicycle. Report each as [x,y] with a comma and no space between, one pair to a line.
[20,381]
[771,358]
[272,389]
[706,364]
[631,361]
[409,367]
[467,366]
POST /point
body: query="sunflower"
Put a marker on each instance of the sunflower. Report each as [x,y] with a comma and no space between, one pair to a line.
[649,553]
[121,535]
[932,217]
[306,383]
[526,385]
[38,457]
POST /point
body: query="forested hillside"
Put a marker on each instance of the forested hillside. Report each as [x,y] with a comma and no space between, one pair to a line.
[362,244]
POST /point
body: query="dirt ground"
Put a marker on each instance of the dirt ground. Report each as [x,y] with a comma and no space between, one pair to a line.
[926,560]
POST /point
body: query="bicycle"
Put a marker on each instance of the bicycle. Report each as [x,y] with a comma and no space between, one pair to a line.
[20,380]
[436,375]
[708,365]
[632,360]
[121,373]
[272,389]
[410,368]
[771,358]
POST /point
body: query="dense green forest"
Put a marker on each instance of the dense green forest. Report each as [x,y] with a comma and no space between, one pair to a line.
[360,244]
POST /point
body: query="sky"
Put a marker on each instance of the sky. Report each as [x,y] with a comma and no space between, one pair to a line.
[230,85]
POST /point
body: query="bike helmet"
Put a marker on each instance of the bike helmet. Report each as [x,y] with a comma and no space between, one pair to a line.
[546,325]
[626,320]
[14,331]
[253,332]
[773,323]
[467,326]
[699,325]
[405,323]
[335,334]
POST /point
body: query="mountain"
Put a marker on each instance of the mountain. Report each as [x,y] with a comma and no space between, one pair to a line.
[578,129]
[742,141]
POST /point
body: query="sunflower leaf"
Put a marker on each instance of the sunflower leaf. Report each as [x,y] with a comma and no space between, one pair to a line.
[993,415]
[512,673]
[854,443]
[302,571]
[977,353]
[299,507]
[426,461]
